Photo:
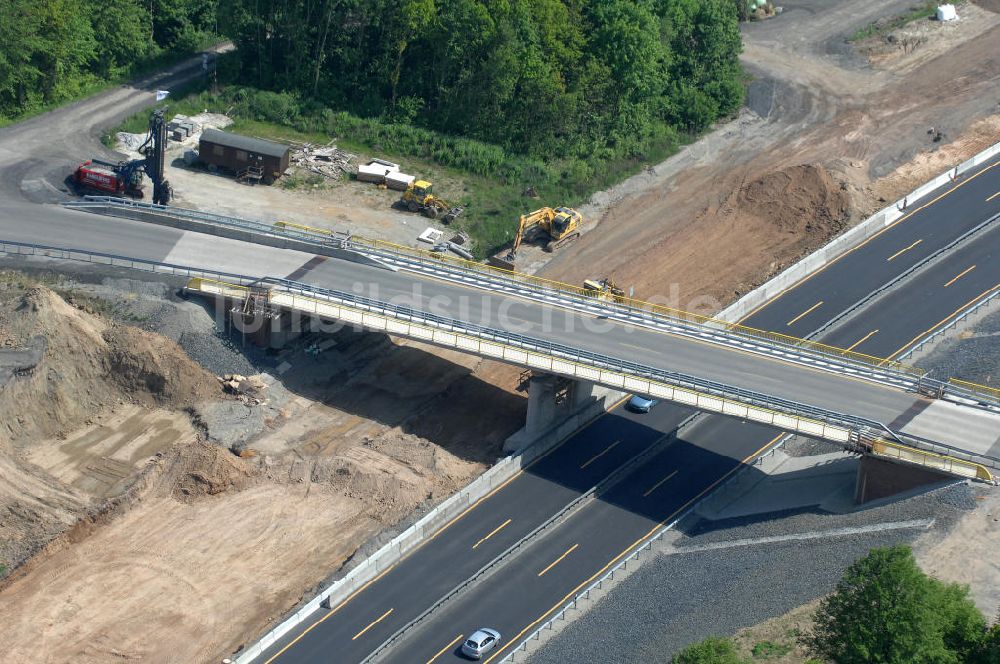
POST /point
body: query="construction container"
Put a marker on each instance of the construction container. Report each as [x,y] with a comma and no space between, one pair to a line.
[242,155]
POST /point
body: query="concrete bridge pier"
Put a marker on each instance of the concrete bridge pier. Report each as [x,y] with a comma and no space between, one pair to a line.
[270,329]
[557,407]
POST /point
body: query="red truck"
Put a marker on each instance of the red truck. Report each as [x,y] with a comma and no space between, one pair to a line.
[111,178]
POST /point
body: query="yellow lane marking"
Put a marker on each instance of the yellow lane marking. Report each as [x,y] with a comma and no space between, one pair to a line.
[372,624]
[600,454]
[332,611]
[559,559]
[492,533]
[992,197]
[445,649]
[804,313]
[658,484]
[442,529]
[621,555]
[904,250]
[960,275]
[929,203]
[862,340]
[945,320]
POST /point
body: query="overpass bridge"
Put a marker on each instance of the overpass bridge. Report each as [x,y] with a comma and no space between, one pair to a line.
[861,402]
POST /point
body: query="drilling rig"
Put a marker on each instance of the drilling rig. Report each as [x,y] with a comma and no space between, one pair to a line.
[125,178]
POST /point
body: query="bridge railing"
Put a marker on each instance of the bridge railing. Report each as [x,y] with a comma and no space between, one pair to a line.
[525,285]
[621,308]
[582,364]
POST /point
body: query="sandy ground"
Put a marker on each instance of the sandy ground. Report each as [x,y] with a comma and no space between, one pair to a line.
[343,205]
[163,545]
[117,517]
[674,232]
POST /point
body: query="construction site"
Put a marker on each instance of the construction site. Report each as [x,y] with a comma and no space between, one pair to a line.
[171,490]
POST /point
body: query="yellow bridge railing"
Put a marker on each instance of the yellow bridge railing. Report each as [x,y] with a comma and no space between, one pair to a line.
[942,462]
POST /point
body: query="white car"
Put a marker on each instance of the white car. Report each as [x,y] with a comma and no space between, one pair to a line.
[480,642]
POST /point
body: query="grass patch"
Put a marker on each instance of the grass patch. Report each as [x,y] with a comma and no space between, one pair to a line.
[770,650]
[487,179]
[884,25]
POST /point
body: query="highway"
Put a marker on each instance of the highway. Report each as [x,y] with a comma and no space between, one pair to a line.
[604,529]
[971,430]
[516,598]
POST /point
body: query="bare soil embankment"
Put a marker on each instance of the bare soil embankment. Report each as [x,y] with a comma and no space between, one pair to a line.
[131,529]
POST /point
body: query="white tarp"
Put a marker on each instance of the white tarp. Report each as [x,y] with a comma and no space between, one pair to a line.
[946,13]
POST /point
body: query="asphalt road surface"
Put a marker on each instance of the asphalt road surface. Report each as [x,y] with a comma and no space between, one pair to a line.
[945,423]
[516,599]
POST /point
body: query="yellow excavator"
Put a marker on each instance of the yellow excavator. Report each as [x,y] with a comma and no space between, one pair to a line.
[419,197]
[557,227]
[605,289]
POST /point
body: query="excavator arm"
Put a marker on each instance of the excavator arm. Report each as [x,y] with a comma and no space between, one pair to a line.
[528,221]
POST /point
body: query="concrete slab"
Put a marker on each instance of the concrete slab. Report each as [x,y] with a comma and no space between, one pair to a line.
[781,483]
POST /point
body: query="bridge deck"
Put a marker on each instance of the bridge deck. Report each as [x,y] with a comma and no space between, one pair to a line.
[970,429]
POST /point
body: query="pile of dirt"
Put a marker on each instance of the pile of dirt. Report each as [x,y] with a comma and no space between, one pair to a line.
[801,200]
[155,369]
[89,366]
[204,469]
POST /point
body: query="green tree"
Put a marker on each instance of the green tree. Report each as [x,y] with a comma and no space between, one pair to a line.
[885,610]
[121,34]
[712,650]
[988,651]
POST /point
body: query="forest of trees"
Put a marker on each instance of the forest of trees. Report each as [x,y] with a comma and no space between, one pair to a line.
[53,50]
[547,78]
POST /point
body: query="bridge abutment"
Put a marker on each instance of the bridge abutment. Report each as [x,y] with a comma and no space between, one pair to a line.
[557,407]
[878,478]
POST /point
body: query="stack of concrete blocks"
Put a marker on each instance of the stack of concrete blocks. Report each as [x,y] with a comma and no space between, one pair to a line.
[179,131]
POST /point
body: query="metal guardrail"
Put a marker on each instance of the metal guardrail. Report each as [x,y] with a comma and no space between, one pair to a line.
[621,309]
[748,397]
[971,388]
[866,429]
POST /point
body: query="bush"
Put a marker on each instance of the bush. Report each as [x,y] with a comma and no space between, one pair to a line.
[770,650]
[712,650]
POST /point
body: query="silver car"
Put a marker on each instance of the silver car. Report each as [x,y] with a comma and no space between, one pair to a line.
[480,642]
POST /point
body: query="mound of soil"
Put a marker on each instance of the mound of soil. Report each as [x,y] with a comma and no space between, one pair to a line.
[802,199]
[204,469]
[89,365]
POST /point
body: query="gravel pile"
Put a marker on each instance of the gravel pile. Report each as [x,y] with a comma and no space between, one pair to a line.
[674,600]
[798,446]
